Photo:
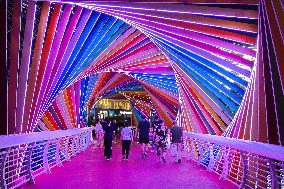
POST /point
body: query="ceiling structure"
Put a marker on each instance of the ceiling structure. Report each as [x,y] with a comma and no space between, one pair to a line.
[208,62]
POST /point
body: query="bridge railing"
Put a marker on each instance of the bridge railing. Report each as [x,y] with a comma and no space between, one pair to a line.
[25,156]
[248,164]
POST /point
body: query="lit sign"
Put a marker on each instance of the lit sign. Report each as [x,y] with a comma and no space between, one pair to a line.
[124,112]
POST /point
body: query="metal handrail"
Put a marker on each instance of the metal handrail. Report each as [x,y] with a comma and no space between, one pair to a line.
[18,139]
[25,156]
[267,150]
[248,164]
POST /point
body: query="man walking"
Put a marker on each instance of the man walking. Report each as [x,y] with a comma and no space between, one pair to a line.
[176,133]
[143,129]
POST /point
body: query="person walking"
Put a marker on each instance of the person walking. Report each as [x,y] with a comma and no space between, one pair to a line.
[99,133]
[143,129]
[126,137]
[161,133]
[176,133]
[109,129]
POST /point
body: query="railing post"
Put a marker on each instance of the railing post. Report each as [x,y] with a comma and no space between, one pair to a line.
[57,153]
[2,168]
[85,140]
[88,139]
[273,174]
[78,143]
[45,157]
[30,177]
[192,149]
[185,147]
[66,151]
[245,170]
[225,170]
[211,158]
[73,143]
[201,151]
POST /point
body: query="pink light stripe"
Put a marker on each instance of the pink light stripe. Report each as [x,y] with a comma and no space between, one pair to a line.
[116,42]
[70,48]
[194,124]
[206,55]
[47,46]
[26,53]
[63,109]
[67,37]
[179,8]
[152,51]
[209,48]
[196,19]
[53,54]
[158,23]
[14,64]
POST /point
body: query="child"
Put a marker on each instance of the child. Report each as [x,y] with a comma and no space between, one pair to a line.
[126,137]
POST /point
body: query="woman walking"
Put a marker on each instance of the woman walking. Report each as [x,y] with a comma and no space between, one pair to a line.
[161,133]
[126,137]
[99,133]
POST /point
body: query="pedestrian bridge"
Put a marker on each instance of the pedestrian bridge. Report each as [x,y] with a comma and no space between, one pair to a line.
[213,66]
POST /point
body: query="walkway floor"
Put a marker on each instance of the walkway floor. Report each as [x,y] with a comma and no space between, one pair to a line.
[90,170]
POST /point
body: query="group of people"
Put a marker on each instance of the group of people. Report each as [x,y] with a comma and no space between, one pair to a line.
[159,138]
[105,132]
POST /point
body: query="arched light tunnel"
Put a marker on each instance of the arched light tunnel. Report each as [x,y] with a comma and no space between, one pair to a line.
[215,66]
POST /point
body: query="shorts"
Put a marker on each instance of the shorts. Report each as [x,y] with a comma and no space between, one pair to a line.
[162,145]
[143,140]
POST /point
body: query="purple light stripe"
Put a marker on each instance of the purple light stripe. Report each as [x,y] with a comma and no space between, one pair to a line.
[70,48]
[262,108]
[14,64]
[206,55]
[52,56]
[109,49]
[272,114]
[169,23]
[165,108]
[189,100]
[136,57]
[180,8]
[196,19]
[214,106]
[35,64]
[63,109]
[63,46]
[160,89]
[208,48]
[278,8]
[46,50]
[278,49]
[77,96]
[42,126]
[191,34]
[23,76]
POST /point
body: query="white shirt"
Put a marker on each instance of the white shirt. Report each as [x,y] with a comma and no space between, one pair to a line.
[99,127]
[126,133]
